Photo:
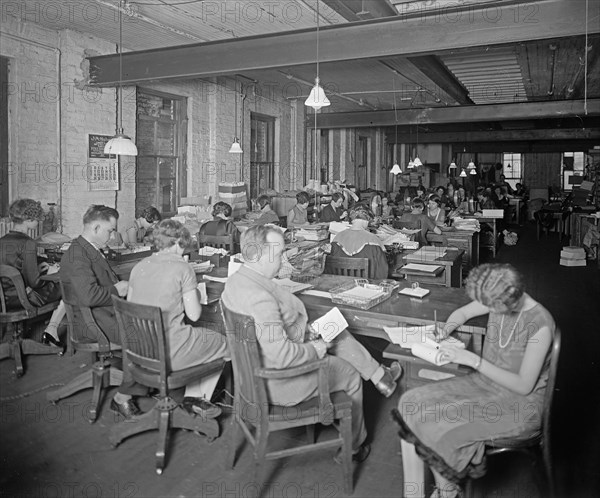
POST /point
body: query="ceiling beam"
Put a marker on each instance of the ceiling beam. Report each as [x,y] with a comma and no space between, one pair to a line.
[464,114]
[501,135]
[432,67]
[352,10]
[411,34]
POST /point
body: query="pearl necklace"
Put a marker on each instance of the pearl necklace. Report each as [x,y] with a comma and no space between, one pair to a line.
[511,332]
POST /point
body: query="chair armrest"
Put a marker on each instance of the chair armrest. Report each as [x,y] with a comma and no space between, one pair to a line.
[274,373]
[326,410]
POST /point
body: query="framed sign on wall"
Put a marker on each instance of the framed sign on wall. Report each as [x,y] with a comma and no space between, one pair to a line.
[103,172]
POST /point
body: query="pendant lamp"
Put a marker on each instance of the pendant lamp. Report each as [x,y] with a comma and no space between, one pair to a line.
[396,169]
[317,97]
[235,146]
[417,162]
[473,171]
[120,144]
[452,165]
[463,173]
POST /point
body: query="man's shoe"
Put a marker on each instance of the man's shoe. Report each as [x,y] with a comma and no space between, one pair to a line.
[394,369]
[386,384]
[128,409]
[360,456]
[201,406]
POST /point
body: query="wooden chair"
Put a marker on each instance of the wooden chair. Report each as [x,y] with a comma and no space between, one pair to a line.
[351,267]
[537,445]
[15,319]
[145,344]
[257,418]
[85,335]
[219,241]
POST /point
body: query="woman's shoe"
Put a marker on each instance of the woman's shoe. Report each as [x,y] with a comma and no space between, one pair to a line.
[49,339]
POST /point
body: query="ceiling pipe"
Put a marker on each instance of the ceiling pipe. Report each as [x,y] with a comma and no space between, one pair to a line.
[342,96]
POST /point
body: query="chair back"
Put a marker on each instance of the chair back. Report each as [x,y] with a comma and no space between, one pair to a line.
[12,276]
[350,267]
[143,339]
[82,326]
[549,397]
[218,241]
[250,391]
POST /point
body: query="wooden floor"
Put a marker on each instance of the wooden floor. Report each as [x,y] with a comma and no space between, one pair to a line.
[49,451]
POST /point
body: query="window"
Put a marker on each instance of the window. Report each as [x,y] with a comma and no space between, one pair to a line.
[512,170]
[572,169]
[262,165]
[160,171]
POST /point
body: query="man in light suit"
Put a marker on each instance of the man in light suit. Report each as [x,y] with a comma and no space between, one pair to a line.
[281,320]
[86,269]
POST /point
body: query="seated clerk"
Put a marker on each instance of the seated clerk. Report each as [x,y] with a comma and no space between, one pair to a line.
[298,214]
[358,242]
[85,268]
[334,210]
[268,215]
[417,220]
[142,226]
[289,343]
[221,223]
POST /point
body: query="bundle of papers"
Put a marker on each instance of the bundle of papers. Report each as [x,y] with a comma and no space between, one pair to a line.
[291,286]
[466,224]
[427,254]
[330,325]
[336,227]
[572,256]
[209,251]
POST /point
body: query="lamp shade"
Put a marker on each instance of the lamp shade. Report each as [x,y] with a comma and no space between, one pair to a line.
[473,171]
[120,145]
[471,165]
[463,173]
[317,97]
[452,165]
[396,169]
[410,164]
[417,161]
[235,147]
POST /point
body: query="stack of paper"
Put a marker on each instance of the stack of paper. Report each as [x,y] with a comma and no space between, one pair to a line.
[290,285]
[572,256]
[427,254]
[466,224]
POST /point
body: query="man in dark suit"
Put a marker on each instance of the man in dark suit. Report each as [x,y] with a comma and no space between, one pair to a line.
[86,269]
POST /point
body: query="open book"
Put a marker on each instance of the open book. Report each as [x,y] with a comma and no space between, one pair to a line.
[330,325]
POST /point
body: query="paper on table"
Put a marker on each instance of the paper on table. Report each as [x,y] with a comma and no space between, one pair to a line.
[290,285]
[416,292]
[428,353]
[407,335]
[215,279]
[330,324]
[363,293]
[317,293]
[418,267]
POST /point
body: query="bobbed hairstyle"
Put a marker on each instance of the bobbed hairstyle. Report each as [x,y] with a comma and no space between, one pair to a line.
[302,198]
[151,214]
[263,200]
[495,285]
[435,198]
[222,208]
[168,232]
[99,212]
[417,202]
[361,213]
[23,210]
[336,197]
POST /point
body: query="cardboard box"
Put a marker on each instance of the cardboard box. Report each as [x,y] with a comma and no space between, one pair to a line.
[232,188]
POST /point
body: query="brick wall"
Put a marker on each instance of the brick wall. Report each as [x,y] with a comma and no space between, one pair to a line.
[37,142]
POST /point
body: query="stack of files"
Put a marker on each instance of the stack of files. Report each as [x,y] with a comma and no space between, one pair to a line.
[426,254]
[572,256]
[310,233]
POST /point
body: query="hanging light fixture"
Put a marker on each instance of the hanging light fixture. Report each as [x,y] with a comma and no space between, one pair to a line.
[235,146]
[317,97]
[463,173]
[396,169]
[417,162]
[473,171]
[120,144]
[452,165]
[410,164]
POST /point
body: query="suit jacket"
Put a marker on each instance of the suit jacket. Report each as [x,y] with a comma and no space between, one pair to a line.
[88,271]
[330,213]
[280,319]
